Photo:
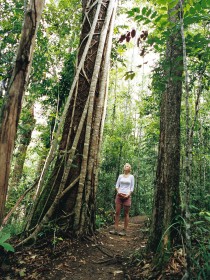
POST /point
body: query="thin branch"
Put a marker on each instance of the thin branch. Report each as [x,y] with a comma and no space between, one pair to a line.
[70,186]
[5,220]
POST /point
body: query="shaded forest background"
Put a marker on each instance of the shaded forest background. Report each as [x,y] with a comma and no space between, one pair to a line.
[132,123]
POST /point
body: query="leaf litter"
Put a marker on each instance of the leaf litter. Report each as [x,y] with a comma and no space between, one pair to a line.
[99,257]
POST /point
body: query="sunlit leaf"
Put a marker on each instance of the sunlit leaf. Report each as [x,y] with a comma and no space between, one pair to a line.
[136,10]
[172,4]
[148,12]
[153,15]
[144,11]
[139,18]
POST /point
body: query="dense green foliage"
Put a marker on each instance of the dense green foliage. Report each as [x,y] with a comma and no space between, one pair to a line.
[131,130]
[12,13]
[126,140]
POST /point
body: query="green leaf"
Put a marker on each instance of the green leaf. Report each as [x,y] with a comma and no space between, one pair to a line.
[153,15]
[4,237]
[204,4]
[161,2]
[8,247]
[173,12]
[198,222]
[132,76]
[22,272]
[144,11]
[194,209]
[148,12]
[207,218]
[139,18]
[147,21]
[172,4]
[198,7]
[186,8]
[136,10]
[189,20]
[164,9]
[158,19]
[129,75]
[130,13]
[192,11]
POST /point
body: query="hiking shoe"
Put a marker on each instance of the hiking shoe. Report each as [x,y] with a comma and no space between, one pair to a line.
[114,232]
[122,233]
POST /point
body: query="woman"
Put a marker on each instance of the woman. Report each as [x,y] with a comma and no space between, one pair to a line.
[124,187]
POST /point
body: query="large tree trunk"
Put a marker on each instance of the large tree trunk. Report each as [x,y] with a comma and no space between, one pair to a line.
[10,111]
[166,207]
[69,195]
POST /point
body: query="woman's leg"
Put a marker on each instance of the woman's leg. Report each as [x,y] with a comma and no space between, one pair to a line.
[117,215]
[126,218]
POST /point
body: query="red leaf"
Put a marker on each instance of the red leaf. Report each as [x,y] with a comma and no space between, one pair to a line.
[122,38]
[142,52]
[133,33]
[138,42]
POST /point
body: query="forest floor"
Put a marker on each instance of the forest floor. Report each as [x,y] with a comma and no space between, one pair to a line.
[101,257]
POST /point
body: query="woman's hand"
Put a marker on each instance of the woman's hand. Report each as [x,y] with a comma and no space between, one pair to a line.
[122,195]
[128,195]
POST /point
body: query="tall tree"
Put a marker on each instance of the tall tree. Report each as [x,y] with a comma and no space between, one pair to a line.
[167,207]
[69,194]
[11,108]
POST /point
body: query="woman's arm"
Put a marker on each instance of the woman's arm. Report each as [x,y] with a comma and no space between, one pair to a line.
[132,183]
[118,184]
[131,186]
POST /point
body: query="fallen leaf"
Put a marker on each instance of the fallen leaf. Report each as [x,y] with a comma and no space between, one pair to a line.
[146,266]
[33,257]
[22,272]
[117,272]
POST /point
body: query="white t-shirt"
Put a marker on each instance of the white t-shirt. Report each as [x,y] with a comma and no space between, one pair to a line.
[124,184]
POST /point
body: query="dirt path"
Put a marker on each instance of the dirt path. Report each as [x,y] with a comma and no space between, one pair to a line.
[100,258]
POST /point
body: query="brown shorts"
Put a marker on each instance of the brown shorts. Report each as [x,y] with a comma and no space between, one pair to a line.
[124,202]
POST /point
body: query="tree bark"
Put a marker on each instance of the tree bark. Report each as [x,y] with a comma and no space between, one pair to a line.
[166,208]
[28,125]
[11,108]
[72,184]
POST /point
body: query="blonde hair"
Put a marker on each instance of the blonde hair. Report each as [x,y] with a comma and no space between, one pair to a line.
[125,165]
